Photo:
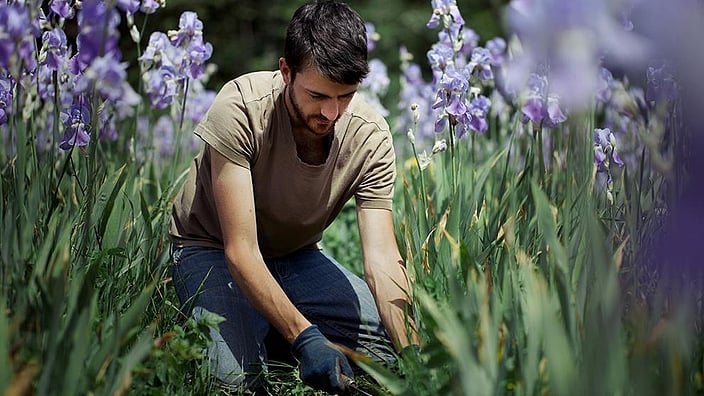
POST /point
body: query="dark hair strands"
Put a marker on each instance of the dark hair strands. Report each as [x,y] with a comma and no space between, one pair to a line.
[331,37]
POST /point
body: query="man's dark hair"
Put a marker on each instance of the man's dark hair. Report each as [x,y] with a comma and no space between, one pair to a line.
[331,37]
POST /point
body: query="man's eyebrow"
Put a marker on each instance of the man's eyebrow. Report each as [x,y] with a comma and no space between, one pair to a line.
[314,93]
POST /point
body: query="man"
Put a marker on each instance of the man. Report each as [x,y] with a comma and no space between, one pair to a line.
[284,151]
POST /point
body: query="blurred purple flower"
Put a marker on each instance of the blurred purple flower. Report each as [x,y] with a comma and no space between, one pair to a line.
[108,77]
[17,34]
[478,110]
[372,36]
[603,87]
[77,124]
[15,21]
[54,52]
[5,97]
[482,59]
[540,105]
[470,39]
[377,81]
[415,93]
[571,38]
[107,130]
[497,50]
[62,8]
[150,6]
[375,85]
[200,100]
[164,135]
[98,35]
[128,6]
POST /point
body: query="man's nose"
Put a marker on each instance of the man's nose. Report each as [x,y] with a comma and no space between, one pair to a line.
[331,109]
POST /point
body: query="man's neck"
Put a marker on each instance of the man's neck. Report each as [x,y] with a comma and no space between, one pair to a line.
[313,151]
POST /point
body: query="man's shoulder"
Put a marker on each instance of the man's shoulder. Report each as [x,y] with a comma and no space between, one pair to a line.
[362,113]
[255,86]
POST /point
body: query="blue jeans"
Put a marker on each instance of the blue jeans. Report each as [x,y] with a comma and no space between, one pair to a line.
[329,295]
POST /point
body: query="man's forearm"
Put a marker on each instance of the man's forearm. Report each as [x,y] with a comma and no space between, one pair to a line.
[389,286]
[265,294]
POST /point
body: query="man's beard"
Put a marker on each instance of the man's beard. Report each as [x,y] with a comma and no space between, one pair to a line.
[305,120]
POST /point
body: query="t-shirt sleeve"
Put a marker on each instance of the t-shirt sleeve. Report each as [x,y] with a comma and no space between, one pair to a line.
[377,186]
[226,126]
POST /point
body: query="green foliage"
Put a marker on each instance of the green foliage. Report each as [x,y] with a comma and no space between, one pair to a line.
[518,284]
[178,355]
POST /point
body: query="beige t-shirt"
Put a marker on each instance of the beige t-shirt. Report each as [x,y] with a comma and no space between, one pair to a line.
[248,123]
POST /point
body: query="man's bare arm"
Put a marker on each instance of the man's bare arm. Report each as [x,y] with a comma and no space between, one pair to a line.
[234,199]
[385,273]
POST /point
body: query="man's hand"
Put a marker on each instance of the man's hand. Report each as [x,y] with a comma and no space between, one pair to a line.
[321,364]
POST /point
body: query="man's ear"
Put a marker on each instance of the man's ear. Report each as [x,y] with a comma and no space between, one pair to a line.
[285,70]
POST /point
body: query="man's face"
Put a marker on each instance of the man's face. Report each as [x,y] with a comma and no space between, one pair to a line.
[314,101]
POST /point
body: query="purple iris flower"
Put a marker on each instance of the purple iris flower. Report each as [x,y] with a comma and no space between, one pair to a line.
[555,115]
[533,109]
[62,8]
[160,65]
[54,52]
[149,6]
[77,124]
[605,146]
[452,94]
[128,6]
[189,27]
[478,109]
[440,55]
[161,86]
[156,51]
[481,59]
[197,53]
[446,9]
[541,106]
[497,50]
